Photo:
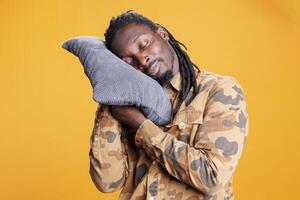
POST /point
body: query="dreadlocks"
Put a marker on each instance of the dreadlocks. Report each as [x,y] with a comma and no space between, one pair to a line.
[186,69]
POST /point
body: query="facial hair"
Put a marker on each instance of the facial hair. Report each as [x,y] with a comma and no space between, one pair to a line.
[168,75]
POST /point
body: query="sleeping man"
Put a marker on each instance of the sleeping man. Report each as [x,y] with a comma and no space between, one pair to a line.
[192,157]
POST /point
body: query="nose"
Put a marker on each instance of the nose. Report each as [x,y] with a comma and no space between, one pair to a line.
[143,61]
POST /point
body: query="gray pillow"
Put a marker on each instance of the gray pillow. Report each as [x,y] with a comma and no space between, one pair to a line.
[115,82]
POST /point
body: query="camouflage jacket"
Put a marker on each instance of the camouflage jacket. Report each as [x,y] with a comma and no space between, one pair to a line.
[192,157]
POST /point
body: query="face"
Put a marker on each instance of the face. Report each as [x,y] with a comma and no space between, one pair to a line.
[146,51]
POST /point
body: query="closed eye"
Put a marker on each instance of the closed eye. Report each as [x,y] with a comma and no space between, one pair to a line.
[145,45]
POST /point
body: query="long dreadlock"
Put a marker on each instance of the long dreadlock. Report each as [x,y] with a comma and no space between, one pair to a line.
[186,69]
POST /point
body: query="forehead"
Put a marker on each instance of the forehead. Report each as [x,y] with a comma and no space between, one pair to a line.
[125,38]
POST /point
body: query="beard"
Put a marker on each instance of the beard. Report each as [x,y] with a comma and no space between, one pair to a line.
[167,76]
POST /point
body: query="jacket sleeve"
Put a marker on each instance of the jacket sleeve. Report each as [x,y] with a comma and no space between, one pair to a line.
[108,160]
[209,164]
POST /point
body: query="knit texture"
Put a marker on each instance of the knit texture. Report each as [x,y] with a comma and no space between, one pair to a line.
[115,82]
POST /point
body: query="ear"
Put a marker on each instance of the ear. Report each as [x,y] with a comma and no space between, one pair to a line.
[163,33]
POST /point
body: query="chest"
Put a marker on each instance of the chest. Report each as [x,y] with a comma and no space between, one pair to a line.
[187,122]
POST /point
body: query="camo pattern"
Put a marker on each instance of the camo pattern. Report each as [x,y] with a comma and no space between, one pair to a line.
[193,157]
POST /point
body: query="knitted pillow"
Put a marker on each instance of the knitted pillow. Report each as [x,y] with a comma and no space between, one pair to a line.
[115,82]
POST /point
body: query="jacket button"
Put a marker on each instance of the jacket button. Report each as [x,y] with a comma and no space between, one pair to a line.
[181,125]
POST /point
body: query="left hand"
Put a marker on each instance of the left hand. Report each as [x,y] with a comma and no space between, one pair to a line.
[129,115]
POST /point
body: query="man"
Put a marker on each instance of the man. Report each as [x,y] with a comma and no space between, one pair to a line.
[192,157]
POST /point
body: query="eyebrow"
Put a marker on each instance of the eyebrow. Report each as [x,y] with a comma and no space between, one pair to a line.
[136,37]
[133,40]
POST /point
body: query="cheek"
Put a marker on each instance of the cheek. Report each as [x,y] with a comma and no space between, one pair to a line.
[156,50]
[162,51]
[167,52]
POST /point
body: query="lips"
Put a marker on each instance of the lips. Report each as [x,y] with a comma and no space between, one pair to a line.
[154,68]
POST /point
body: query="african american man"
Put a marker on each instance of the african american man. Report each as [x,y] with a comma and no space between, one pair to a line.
[192,157]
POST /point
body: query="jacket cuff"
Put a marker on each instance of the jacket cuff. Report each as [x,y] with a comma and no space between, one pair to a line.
[148,135]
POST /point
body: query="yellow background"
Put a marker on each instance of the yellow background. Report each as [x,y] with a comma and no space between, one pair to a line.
[47,110]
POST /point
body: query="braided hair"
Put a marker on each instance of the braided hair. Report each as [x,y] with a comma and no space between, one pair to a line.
[186,69]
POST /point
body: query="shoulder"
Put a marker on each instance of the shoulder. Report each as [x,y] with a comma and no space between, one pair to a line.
[214,83]
[218,92]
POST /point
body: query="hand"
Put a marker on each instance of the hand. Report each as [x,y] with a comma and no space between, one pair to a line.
[129,115]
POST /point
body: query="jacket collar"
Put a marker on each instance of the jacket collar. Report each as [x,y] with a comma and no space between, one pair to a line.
[176,79]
